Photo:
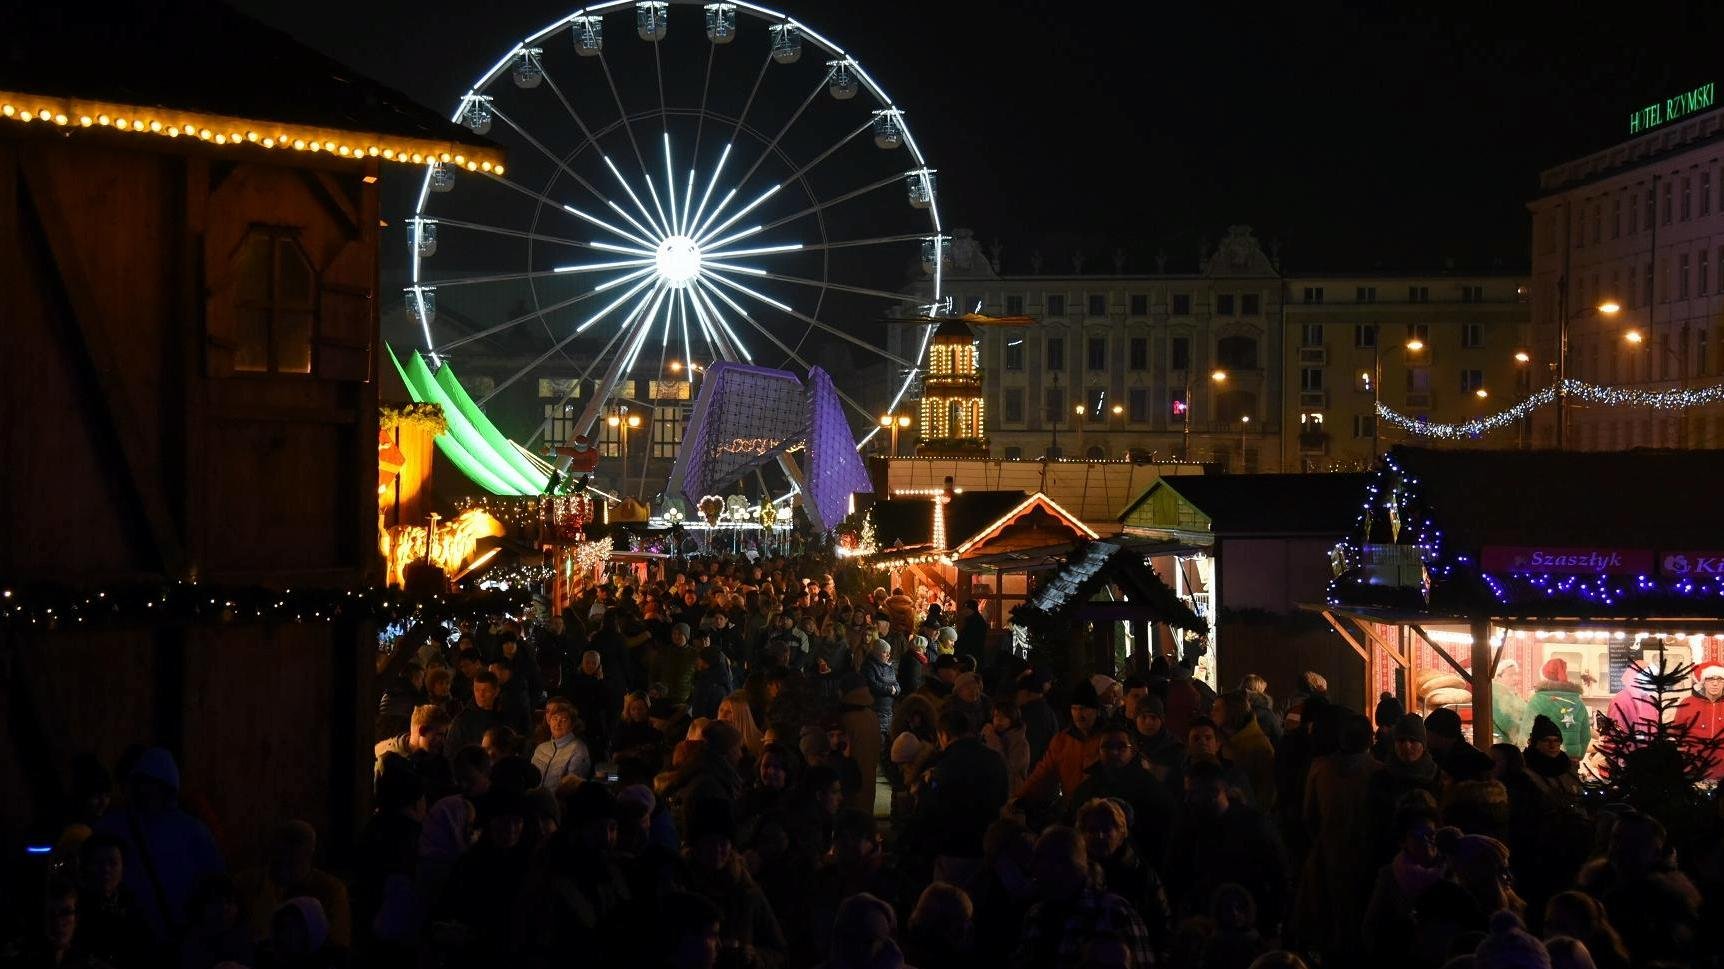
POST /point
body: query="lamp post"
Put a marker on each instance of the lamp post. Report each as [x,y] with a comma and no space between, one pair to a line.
[1077,412]
[1215,376]
[624,422]
[894,423]
[1244,425]
[1523,378]
[1636,338]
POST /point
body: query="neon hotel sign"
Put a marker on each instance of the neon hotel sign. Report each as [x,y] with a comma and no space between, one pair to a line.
[1669,109]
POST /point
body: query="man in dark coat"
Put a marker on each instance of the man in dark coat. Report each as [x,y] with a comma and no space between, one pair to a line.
[485,712]
[1120,774]
[712,682]
[972,631]
[1040,722]
[966,791]
[1221,840]
[1457,758]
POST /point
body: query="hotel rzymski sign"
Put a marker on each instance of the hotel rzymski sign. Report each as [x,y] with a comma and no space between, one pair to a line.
[1661,112]
[1601,560]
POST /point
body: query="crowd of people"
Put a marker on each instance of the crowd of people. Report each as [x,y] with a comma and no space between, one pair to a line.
[737,765]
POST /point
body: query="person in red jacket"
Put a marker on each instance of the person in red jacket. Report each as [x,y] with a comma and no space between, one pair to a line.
[1703,711]
[1071,753]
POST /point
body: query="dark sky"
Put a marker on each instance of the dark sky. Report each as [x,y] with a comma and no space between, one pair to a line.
[1397,138]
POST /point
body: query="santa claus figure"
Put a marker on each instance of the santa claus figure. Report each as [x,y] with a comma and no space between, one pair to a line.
[1703,712]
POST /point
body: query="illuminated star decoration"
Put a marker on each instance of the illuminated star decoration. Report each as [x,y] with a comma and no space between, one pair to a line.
[677,263]
[1574,390]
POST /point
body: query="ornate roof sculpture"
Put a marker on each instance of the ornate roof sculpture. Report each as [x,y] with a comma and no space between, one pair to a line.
[747,416]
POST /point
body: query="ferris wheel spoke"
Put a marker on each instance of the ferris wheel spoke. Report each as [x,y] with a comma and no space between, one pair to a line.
[553,203]
[535,236]
[804,317]
[657,227]
[576,384]
[758,251]
[719,323]
[820,246]
[670,185]
[586,132]
[496,278]
[558,346]
[847,196]
[793,355]
[840,143]
[496,328]
[727,223]
[593,267]
[766,152]
[706,196]
[742,118]
[705,88]
[841,287]
[528,137]
[617,96]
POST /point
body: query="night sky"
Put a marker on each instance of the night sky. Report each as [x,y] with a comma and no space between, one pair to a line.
[1394,140]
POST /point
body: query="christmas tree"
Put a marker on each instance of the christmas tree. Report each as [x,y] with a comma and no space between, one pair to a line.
[1652,759]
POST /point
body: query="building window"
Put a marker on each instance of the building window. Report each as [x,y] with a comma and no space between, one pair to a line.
[1224,304]
[1097,353]
[275,297]
[1646,290]
[1702,365]
[667,431]
[1663,279]
[1418,294]
[1139,354]
[1420,332]
[1015,354]
[1669,191]
[1236,352]
[1097,304]
[1687,198]
[1472,380]
[1597,216]
[1181,353]
[1472,335]
[1364,426]
[658,390]
[1704,263]
[1616,217]
[1365,335]
[1251,304]
[1365,294]
[1310,334]
[1418,380]
[1682,276]
[1015,304]
[1139,304]
[1056,353]
[1706,192]
[1310,379]
[1137,404]
[1313,294]
[1014,402]
[1056,304]
[1014,453]
[1472,294]
[1647,221]
[1181,304]
[1054,406]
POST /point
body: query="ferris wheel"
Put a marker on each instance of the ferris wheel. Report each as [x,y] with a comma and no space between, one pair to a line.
[687,182]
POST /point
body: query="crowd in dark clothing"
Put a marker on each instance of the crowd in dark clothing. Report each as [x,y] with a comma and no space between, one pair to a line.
[738,766]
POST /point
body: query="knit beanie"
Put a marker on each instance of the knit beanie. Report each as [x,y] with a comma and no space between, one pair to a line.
[1389,710]
[1555,669]
[1509,946]
[1083,695]
[906,748]
[1542,727]
[1444,722]
[1411,726]
[1150,703]
[681,627]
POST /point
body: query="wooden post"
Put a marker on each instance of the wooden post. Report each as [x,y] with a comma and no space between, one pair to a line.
[1481,681]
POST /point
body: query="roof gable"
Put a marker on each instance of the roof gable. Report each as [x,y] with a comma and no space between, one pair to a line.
[971,536]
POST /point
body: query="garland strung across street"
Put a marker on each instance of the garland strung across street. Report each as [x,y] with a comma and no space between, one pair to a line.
[1574,390]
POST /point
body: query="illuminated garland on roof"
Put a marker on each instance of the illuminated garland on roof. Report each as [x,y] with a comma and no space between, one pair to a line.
[219,129]
[1575,390]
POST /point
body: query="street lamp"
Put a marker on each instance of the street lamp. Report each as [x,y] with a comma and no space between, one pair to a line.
[1077,411]
[1638,339]
[1244,425]
[894,423]
[1608,307]
[1215,376]
[623,423]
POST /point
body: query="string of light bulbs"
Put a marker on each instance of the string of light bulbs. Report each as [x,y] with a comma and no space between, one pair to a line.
[1573,389]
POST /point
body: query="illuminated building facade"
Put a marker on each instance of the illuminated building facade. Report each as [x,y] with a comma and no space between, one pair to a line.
[951,407]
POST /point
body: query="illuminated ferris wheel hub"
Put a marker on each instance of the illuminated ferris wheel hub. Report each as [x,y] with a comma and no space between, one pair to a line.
[677,261]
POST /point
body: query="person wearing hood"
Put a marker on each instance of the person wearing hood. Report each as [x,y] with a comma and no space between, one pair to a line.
[1409,768]
[1703,712]
[860,720]
[1635,707]
[1458,759]
[1040,723]
[1558,699]
[1548,763]
[1162,752]
[881,678]
[1004,733]
[1071,753]
[168,852]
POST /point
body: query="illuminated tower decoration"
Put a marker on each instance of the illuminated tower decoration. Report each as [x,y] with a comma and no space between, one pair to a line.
[951,412]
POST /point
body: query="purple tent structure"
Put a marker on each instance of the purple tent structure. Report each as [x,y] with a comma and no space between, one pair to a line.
[747,416]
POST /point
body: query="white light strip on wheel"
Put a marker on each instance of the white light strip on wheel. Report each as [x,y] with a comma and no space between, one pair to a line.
[645,328]
[601,314]
[657,228]
[789,247]
[601,223]
[687,201]
[611,247]
[750,270]
[719,319]
[733,284]
[670,186]
[706,196]
[595,266]
[734,237]
[687,348]
[634,222]
[727,223]
[613,283]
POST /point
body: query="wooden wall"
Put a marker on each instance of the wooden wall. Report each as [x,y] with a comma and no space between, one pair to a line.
[133,452]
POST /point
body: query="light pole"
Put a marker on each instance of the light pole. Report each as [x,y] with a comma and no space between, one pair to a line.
[624,422]
[1522,360]
[1244,425]
[894,423]
[1215,376]
[1077,411]
[1636,338]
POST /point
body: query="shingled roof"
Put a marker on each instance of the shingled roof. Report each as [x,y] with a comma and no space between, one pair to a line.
[1095,565]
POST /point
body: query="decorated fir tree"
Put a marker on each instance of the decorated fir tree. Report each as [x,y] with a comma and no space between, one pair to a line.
[1649,756]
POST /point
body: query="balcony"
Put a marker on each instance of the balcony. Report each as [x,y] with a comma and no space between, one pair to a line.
[1313,442]
[1314,356]
[1314,398]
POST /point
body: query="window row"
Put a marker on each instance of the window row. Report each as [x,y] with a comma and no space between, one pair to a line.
[1415,294]
[1670,198]
[1231,352]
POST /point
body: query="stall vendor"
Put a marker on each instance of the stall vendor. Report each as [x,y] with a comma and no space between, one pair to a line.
[1558,698]
[1703,712]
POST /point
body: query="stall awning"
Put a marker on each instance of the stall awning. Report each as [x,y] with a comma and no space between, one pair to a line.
[1101,564]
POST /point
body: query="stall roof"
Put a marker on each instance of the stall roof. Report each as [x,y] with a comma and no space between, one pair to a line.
[911,520]
[1098,564]
[1643,498]
[1261,504]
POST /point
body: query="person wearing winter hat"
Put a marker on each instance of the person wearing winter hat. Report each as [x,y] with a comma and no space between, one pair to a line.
[1703,712]
[939,686]
[1510,946]
[1111,694]
[1548,763]
[673,663]
[717,873]
[1558,698]
[168,851]
[1458,759]
[1070,754]
[1409,768]
[1635,707]
[1389,710]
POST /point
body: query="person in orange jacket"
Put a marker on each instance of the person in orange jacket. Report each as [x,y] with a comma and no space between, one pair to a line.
[1703,711]
[1071,753]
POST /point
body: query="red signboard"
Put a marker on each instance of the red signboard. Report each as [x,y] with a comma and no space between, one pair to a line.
[1590,560]
[1689,564]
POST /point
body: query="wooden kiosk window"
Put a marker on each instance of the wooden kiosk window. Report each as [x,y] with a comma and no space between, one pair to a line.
[275,302]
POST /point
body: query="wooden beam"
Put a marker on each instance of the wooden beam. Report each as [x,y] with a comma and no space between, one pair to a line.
[1465,673]
[1364,654]
[1401,656]
[114,400]
[1481,680]
[934,579]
